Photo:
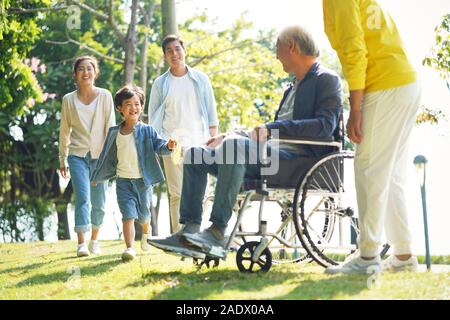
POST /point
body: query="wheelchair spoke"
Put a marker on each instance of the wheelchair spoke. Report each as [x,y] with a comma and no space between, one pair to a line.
[335,189]
[261,263]
[338,174]
[316,209]
[354,226]
[325,180]
[315,232]
[316,185]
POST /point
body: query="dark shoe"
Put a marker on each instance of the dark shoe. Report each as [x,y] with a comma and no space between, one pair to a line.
[175,241]
[176,244]
[209,241]
[187,253]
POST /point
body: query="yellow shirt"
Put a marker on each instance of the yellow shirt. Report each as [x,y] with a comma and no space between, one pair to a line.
[368,45]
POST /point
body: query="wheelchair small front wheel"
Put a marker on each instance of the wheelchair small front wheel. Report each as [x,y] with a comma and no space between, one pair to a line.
[244,258]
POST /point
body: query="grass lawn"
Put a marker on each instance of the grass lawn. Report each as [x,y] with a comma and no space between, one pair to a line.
[49,271]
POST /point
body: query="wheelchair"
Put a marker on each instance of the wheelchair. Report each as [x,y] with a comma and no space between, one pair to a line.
[318,218]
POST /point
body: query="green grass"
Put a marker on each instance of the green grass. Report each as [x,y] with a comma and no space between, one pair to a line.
[43,271]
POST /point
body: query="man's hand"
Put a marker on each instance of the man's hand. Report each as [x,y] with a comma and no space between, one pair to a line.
[171,144]
[215,141]
[354,131]
[64,172]
[259,133]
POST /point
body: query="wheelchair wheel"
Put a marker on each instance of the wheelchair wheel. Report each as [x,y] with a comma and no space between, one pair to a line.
[324,218]
[244,258]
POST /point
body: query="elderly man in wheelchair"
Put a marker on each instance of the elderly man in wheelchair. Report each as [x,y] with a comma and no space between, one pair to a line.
[301,150]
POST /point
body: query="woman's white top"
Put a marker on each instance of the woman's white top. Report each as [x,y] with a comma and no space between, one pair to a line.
[86,112]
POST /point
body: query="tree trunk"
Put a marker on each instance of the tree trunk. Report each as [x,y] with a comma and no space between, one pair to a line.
[39,222]
[147,21]
[130,45]
[169,20]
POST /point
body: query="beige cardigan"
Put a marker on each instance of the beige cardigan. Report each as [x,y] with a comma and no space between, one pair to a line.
[74,138]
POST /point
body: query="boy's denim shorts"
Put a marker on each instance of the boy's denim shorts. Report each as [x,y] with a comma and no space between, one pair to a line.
[134,199]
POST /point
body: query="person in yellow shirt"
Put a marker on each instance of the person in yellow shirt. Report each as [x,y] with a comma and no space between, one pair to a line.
[384,99]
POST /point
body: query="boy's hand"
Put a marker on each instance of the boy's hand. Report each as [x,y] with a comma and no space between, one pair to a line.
[171,144]
[215,141]
[93,183]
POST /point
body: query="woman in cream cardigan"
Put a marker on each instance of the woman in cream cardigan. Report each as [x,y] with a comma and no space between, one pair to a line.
[86,116]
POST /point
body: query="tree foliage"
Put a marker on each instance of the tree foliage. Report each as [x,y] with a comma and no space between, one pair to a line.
[439,57]
[18,32]
[24,147]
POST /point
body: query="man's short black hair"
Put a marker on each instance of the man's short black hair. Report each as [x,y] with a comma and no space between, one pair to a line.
[170,38]
[127,92]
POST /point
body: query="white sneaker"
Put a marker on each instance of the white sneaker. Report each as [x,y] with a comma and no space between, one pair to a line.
[94,247]
[357,265]
[394,265]
[82,250]
[144,244]
[128,255]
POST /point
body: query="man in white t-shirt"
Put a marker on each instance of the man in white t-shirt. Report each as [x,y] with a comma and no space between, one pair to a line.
[181,107]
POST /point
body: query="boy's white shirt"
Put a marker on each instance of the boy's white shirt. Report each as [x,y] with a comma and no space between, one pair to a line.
[182,118]
[127,158]
[74,139]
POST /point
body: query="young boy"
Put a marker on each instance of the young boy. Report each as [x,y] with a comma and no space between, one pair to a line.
[129,153]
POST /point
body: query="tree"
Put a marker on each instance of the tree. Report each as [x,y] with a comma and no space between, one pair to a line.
[169,20]
[17,35]
[20,191]
[439,59]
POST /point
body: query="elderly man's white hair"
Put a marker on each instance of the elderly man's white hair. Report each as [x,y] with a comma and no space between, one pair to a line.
[303,40]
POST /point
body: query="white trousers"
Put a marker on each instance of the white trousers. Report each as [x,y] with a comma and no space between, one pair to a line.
[174,178]
[381,162]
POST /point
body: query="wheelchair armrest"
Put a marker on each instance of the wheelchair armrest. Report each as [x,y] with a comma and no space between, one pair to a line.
[319,141]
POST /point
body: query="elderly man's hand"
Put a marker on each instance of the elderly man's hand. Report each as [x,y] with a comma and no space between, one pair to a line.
[259,133]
